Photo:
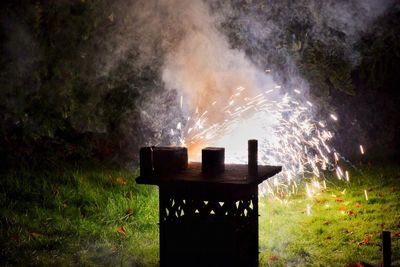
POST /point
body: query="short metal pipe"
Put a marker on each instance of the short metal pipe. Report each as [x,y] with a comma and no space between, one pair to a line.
[252,157]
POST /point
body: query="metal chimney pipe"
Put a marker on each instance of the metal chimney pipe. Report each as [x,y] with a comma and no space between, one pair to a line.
[252,158]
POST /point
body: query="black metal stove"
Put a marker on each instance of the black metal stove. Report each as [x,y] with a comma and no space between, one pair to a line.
[208,212]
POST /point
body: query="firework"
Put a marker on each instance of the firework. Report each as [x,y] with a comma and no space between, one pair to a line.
[366,194]
[287,131]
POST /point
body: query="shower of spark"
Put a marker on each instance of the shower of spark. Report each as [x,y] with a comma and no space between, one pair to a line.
[286,130]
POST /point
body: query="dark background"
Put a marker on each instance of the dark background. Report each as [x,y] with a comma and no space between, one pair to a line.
[61,103]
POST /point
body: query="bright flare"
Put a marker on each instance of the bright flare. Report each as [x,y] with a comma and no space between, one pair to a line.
[286,130]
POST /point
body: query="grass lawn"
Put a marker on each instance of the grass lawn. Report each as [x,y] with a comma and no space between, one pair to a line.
[102,218]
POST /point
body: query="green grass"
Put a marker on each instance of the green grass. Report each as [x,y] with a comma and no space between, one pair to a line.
[340,220]
[72,218]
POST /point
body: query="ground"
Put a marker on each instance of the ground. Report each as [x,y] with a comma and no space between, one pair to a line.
[102,218]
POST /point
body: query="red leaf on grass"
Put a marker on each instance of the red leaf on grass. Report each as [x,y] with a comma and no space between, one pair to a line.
[364,242]
[341,208]
[396,234]
[121,230]
[351,212]
[121,181]
[355,264]
[129,211]
[338,199]
[358,205]
[273,258]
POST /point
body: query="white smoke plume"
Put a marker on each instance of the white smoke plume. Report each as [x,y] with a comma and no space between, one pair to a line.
[204,67]
[188,44]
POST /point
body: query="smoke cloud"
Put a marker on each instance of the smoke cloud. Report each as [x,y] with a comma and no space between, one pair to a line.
[206,49]
[204,67]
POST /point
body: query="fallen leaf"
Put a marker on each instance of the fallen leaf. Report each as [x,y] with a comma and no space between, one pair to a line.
[129,211]
[341,208]
[273,258]
[114,248]
[366,240]
[338,199]
[121,230]
[355,264]
[121,181]
[396,234]
[36,235]
[358,205]
[350,212]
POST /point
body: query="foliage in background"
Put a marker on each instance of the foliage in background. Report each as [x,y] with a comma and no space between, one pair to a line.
[350,66]
[70,91]
[381,54]
[58,98]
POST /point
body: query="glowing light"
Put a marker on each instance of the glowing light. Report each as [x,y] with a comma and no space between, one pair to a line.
[286,130]
[366,194]
[361,150]
[334,117]
[336,157]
